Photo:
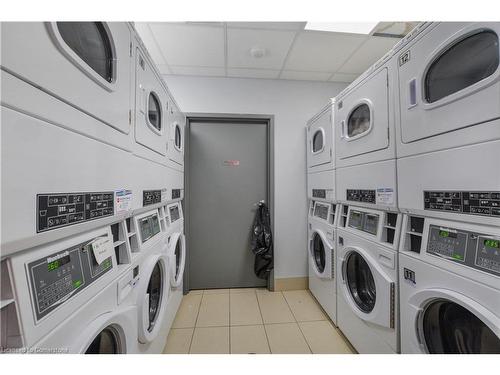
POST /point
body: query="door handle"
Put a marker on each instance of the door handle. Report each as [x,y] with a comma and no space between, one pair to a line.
[413,93]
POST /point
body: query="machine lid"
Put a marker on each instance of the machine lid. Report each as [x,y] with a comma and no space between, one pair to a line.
[318,252]
[106,342]
[360,282]
[450,328]
[154,291]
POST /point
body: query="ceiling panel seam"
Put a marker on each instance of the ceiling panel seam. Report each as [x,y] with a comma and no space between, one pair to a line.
[155,41]
[288,52]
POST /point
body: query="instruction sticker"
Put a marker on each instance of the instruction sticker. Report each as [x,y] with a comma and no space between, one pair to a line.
[385,196]
[123,200]
[102,249]
[164,194]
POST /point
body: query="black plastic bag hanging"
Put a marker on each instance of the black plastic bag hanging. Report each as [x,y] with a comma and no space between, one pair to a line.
[262,242]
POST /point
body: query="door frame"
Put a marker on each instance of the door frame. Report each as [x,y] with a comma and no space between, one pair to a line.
[194,117]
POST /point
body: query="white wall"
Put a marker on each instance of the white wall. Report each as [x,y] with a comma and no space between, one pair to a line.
[292,103]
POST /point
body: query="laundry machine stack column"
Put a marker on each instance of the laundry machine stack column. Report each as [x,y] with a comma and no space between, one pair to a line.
[448,92]
[322,209]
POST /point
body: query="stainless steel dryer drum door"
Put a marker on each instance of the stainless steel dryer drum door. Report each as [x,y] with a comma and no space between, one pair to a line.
[153,297]
[177,257]
[449,328]
[360,282]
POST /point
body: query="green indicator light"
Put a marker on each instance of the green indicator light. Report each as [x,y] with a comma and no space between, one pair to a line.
[77,283]
[494,244]
[444,233]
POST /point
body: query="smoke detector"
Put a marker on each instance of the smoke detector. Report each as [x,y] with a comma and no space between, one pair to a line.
[257,52]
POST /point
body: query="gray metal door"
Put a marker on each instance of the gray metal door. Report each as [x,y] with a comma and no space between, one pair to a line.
[228,174]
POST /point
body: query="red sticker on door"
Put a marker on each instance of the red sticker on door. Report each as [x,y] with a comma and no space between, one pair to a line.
[231,163]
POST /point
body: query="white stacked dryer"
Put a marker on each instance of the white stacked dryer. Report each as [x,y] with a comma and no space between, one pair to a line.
[449,187]
[322,209]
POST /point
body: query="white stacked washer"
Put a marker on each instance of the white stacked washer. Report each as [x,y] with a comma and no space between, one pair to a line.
[449,187]
[369,223]
[321,217]
[449,287]
[367,278]
[153,290]
[64,298]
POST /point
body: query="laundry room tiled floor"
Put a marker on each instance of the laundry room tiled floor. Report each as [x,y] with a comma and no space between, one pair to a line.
[253,320]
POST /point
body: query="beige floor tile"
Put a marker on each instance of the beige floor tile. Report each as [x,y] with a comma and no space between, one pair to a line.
[323,338]
[249,340]
[304,306]
[286,339]
[214,311]
[245,290]
[178,341]
[210,340]
[216,291]
[244,309]
[197,291]
[188,311]
[274,308]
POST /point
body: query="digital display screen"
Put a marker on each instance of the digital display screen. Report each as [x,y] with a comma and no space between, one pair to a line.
[54,265]
[494,244]
[445,234]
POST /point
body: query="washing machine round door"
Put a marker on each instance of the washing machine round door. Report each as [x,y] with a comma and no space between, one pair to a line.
[360,282]
[318,252]
[449,328]
[153,296]
[106,342]
[177,253]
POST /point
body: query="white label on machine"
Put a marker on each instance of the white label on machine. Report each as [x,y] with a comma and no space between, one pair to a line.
[385,196]
[164,195]
[102,249]
[123,200]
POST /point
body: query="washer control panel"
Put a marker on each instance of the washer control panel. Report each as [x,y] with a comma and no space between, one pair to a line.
[364,221]
[472,249]
[484,203]
[62,209]
[361,195]
[149,227]
[60,276]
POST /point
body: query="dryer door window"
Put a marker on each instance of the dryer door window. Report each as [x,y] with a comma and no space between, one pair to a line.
[178,137]
[359,121]
[449,328]
[317,141]
[154,111]
[318,252]
[178,254]
[360,282]
[91,42]
[155,290]
[106,342]
[469,61]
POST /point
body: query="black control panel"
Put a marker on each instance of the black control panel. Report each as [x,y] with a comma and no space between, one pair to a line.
[149,227]
[58,277]
[485,203]
[361,195]
[472,249]
[56,210]
[319,193]
[176,193]
[151,197]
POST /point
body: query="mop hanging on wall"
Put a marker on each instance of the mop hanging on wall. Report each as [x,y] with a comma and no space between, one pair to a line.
[262,242]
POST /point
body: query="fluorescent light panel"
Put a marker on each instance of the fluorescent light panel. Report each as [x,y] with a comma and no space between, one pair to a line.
[342,27]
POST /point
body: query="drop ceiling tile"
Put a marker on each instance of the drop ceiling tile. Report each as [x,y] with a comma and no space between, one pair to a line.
[344,77]
[190,45]
[322,51]
[304,76]
[274,44]
[253,73]
[374,48]
[148,40]
[268,25]
[197,71]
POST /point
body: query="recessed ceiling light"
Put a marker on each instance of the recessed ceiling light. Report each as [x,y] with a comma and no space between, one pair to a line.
[342,27]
